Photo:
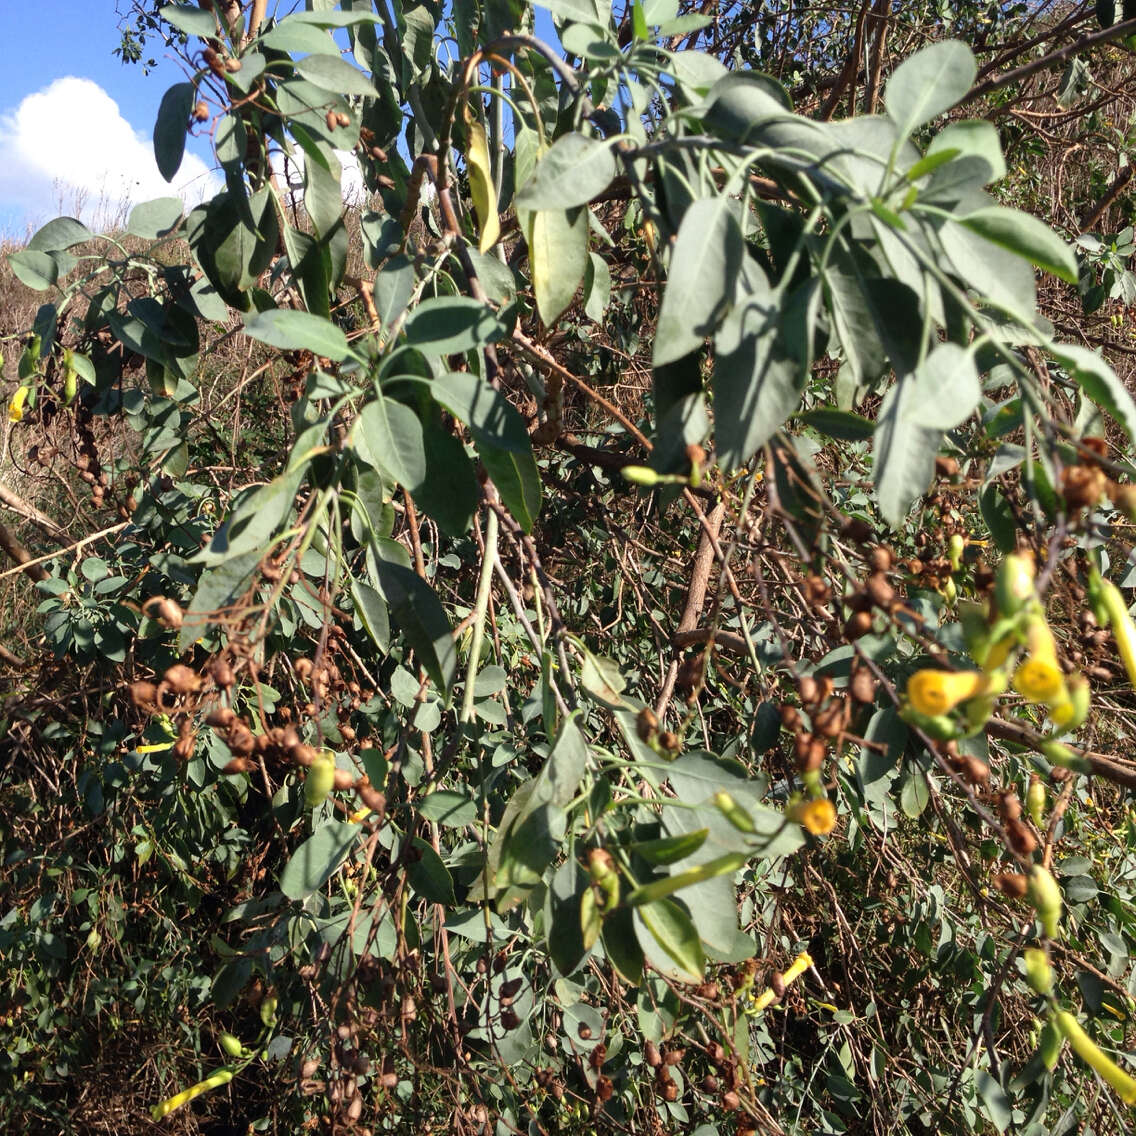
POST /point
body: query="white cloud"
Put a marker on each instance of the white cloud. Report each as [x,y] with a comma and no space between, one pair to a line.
[68,148]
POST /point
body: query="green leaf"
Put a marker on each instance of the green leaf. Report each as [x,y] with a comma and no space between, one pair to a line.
[996,1103]
[621,945]
[38,270]
[217,590]
[372,612]
[562,916]
[423,620]
[61,233]
[929,83]
[388,435]
[298,331]
[318,859]
[153,219]
[669,940]
[584,11]
[428,876]
[1099,381]
[170,128]
[299,38]
[975,138]
[701,280]
[193,21]
[449,491]
[945,389]
[756,380]
[447,807]
[1025,236]
[451,324]
[573,171]
[903,454]
[597,287]
[332,73]
[558,258]
[840,424]
[490,416]
[517,479]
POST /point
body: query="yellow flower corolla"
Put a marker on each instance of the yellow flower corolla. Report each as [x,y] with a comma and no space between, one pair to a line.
[1074,710]
[932,692]
[817,816]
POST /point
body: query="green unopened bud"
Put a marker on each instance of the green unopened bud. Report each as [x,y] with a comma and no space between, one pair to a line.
[733,812]
[940,726]
[641,475]
[1039,972]
[1045,895]
[1049,1045]
[231,1045]
[1014,584]
[955,548]
[268,1010]
[1058,753]
[1035,800]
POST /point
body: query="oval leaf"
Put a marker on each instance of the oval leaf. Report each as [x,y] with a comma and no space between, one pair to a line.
[298,331]
[571,173]
[170,128]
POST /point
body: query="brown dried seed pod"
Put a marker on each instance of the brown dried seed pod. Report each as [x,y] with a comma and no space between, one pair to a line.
[814,755]
[309,1068]
[509,989]
[222,673]
[232,65]
[716,1051]
[946,467]
[881,558]
[143,694]
[859,600]
[182,679]
[241,765]
[817,591]
[975,770]
[370,796]
[200,112]
[674,1056]
[831,720]
[670,1092]
[344,779]
[709,990]
[183,747]
[220,717]
[862,686]
[378,154]
[343,119]
[858,625]
[652,1055]
[1009,805]
[669,741]
[303,669]
[604,1088]
[1082,486]
[808,689]
[598,1056]
[509,1019]
[881,593]
[584,1031]
[856,530]
[332,120]
[777,984]
[240,739]
[790,717]
[1013,885]
[646,724]
[731,1102]
[303,754]
[709,1083]
[1021,838]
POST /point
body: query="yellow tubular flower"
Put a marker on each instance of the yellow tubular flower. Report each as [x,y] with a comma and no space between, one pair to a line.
[1123,629]
[16,406]
[935,692]
[1072,713]
[1038,677]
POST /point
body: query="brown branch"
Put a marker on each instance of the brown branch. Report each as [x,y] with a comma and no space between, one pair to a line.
[881,16]
[17,552]
[30,513]
[1107,35]
[1101,764]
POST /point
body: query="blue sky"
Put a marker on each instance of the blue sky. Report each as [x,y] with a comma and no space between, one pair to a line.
[58,137]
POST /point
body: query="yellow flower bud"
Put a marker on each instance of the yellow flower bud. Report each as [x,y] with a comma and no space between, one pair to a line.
[1072,713]
[1038,677]
[1123,630]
